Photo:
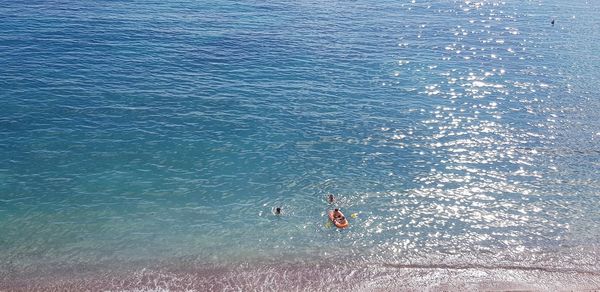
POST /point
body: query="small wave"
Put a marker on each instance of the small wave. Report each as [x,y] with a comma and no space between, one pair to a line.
[491,267]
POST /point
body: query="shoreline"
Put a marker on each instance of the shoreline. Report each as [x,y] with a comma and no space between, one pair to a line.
[193,275]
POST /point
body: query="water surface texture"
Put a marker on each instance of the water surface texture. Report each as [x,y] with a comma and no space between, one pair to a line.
[463,135]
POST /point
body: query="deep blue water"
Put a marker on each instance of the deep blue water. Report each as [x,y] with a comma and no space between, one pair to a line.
[456,131]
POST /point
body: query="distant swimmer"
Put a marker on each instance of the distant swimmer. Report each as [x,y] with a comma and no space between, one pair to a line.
[552,22]
[278,211]
[330,199]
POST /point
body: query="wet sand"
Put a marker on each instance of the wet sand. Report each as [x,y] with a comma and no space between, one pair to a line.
[184,275]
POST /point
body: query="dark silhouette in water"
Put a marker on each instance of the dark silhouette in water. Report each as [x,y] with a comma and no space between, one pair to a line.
[552,22]
[330,199]
[278,211]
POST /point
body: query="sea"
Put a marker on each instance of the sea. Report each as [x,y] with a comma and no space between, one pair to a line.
[144,145]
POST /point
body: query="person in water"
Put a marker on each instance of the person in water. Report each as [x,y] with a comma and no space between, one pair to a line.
[552,22]
[330,199]
[278,211]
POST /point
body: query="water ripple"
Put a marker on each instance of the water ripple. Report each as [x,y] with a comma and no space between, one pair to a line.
[458,133]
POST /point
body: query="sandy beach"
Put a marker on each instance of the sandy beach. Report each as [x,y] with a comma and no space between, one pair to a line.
[196,276]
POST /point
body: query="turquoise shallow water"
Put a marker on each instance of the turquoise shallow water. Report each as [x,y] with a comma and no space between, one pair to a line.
[459,132]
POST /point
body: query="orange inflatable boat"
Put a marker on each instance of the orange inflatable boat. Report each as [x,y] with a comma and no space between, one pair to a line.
[338,223]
